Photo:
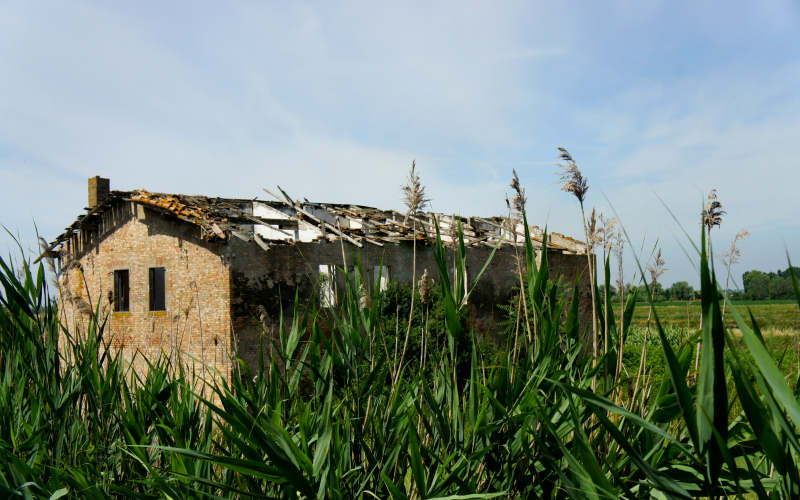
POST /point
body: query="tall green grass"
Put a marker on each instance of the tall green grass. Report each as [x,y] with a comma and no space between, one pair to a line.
[333,415]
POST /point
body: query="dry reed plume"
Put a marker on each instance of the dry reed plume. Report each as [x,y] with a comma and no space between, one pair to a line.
[415,200]
[520,200]
[734,253]
[573,181]
[414,192]
[607,233]
[517,204]
[657,268]
[425,286]
[731,257]
[713,212]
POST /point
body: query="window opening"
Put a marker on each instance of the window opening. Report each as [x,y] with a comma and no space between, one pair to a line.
[157,289]
[381,277]
[121,291]
[327,285]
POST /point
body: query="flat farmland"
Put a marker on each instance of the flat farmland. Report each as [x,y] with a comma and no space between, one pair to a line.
[779,321]
[770,315]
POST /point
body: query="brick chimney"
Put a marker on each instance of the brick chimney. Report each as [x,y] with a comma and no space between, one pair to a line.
[99,189]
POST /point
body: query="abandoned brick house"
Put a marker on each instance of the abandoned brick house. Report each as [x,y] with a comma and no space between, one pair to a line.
[205,276]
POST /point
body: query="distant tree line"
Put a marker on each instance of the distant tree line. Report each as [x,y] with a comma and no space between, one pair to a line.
[758,285]
[680,290]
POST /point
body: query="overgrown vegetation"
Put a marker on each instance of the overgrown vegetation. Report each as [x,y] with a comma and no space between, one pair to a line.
[338,413]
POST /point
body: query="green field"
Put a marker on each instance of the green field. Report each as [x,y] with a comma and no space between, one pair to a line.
[778,320]
[777,315]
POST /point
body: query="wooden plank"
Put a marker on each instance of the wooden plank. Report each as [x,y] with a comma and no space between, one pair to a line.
[278,198]
[288,223]
[288,199]
[364,224]
[242,235]
[219,232]
[260,241]
[329,226]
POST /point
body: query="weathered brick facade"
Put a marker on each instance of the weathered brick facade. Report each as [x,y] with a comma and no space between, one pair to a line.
[197,319]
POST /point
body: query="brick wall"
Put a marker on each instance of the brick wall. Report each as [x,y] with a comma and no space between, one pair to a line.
[262,281]
[196,322]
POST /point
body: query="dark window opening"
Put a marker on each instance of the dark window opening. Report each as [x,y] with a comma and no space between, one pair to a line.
[121,302]
[157,289]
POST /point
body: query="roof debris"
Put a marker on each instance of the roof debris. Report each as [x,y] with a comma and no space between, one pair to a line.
[286,221]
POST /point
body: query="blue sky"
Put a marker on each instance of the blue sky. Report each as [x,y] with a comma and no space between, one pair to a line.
[333,100]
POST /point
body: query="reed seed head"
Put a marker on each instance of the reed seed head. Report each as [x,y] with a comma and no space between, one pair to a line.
[712,214]
[731,256]
[593,231]
[425,285]
[453,230]
[657,269]
[619,239]
[742,234]
[572,180]
[263,315]
[519,197]
[618,246]
[414,192]
[734,253]
[607,232]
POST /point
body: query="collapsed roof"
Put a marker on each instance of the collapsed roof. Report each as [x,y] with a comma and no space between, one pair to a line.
[287,221]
